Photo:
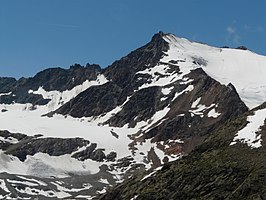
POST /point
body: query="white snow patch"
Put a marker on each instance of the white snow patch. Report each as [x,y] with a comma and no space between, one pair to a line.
[188,89]
[195,103]
[46,193]
[200,109]
[84,197]
[8,196]
[5,94]
[157,79]
[176,141]
[3,186]
[33,180]
[102,191]
[11,164]
[146,147]
[64,189]
[249,134]
[167,91]
[134,198]
[59,166]
[152,173]
[163,98]
[155,118]
[22,182]
[43,165]
[9,139]
[162,77]
[105,181]
[213,113]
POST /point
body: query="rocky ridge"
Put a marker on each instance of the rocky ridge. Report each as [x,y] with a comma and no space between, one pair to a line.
[51,79]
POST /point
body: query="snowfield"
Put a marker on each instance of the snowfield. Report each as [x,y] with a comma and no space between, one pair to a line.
[243,68]
[19,118]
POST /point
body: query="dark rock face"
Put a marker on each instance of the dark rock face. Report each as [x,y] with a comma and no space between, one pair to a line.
[4,145]
[242,48]
[214,170]
[6,84]
[124,162]
[94,101]
[83,155]
[50,79]
[62,79]
[123,81]
[92,153]
[111,156]
[30,145]
[183,123]
[141,106]
[7,134]
[123,71]
[51,146]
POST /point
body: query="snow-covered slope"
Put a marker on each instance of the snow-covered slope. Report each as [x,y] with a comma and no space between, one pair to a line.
[251,133]
[244,69]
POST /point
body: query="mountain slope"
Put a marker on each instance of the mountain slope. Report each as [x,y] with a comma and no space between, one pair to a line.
[216,169]
[149,108]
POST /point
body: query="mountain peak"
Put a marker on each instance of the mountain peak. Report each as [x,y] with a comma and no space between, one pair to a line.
[158,36]
[95,128]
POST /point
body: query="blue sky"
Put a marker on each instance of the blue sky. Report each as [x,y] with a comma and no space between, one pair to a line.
[37,34]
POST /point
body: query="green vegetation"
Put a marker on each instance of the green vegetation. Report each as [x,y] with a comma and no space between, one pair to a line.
[214,170]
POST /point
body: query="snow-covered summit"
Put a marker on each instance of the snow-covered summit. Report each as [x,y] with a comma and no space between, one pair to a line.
[246,70]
